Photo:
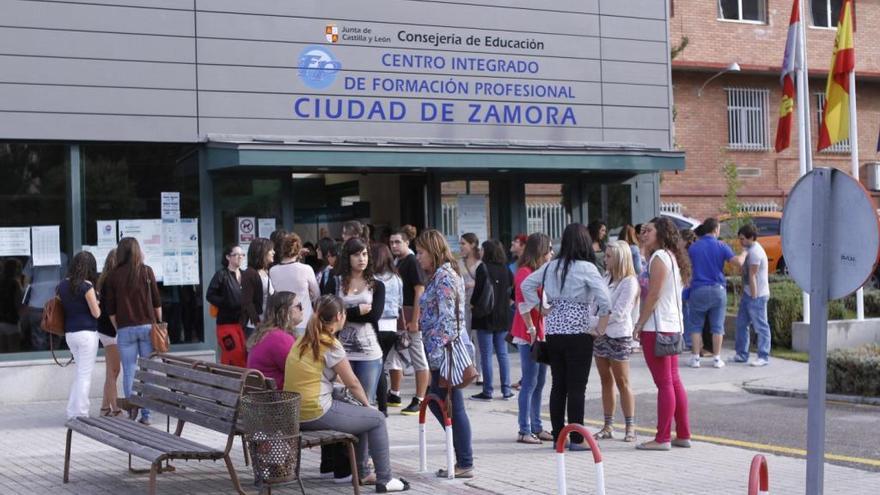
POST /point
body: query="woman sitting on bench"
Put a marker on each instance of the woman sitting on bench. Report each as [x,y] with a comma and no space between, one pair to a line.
[314,363]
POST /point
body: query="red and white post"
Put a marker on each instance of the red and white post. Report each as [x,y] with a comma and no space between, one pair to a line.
[759,476]
[560,458]
[423,440]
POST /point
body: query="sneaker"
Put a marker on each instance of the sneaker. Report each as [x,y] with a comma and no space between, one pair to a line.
[413,408]
[145,421]
[695,362]
[343,480]
[508,396]
[718,362]
[759,362]
[394,485]
[482,396]
[394,400]
[580,447]
[460,472]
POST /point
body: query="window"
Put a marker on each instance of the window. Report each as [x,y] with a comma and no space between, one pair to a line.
[767,226]
[839,147]
[825,12]
[747,124]
[743,10]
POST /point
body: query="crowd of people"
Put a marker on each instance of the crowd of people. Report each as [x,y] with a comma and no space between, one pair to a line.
[341,331]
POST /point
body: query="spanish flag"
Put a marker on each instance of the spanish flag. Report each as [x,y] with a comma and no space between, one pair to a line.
[835,117]
[791,63]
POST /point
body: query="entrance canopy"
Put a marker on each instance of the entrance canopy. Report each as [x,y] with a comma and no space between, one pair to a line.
[228,152]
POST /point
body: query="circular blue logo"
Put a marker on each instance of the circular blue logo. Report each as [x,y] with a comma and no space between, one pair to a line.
[318,67]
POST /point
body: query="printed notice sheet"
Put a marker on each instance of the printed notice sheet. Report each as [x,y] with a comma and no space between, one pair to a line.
[15,241]
[46,245]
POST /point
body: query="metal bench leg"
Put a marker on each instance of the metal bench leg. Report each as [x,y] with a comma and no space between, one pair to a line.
[244,447]
[154,470]
[233,475]
[355,476]
[67,456]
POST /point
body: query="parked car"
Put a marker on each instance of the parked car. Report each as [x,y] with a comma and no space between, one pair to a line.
[681,221]
[768,225]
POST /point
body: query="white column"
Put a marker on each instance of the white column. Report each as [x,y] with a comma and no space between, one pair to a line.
[854,161]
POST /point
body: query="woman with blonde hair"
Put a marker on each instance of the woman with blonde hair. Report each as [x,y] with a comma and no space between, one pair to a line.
[314,363]
[442,321]
[291,275]
[612,349]
[107,337]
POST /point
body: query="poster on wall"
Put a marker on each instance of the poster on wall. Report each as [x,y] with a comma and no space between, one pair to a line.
[106,232]
[265,227]
[170,206]
[247,227]
[15,241]
[180,258]
[472,215]
[100,253]
[46,245]
[149,235]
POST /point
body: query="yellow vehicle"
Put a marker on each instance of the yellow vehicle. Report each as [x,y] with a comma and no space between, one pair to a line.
[768,225]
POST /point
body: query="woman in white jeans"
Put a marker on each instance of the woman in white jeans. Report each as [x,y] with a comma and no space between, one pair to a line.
[81,312]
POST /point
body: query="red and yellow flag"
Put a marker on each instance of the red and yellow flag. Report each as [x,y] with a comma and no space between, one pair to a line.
[835,117]
[791,63]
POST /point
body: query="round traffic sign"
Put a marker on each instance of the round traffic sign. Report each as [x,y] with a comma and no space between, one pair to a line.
[853,234]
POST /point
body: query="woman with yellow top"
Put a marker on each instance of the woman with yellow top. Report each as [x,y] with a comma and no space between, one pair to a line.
[313,365]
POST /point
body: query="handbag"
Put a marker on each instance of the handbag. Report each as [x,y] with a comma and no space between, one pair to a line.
[539,352]
[485,304]
[457,369]
[404,339]
[669,345]
[52,322]
[159,337]
[343,394]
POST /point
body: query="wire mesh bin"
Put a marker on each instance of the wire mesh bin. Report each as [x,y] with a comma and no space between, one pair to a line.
[271,424]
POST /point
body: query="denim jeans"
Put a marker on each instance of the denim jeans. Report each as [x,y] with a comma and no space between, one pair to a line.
[688,343]
[708,300]
[461,425]
[133,342]
[752,311]
[533,377]
[488,342]
[367,372]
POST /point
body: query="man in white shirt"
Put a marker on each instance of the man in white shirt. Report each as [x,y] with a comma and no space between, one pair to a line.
[753,306]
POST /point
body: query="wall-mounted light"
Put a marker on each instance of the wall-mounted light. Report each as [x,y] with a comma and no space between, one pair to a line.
[734,67]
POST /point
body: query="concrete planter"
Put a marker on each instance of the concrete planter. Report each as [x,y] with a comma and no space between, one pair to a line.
[842,334]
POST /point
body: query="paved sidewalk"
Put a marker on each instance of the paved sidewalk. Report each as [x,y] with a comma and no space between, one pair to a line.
[32,450]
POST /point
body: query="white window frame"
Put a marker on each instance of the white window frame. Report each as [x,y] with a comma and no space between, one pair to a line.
[748,119]
[762,7]
[842,146]
[832,23]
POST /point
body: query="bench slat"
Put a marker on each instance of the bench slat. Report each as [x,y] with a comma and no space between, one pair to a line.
[108,438]
[314,438]
[179,399]
[225,397]
[153,437]
[197,376]
[193,417]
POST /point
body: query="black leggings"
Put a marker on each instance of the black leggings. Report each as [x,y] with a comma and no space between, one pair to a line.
[386,342]
[570,359]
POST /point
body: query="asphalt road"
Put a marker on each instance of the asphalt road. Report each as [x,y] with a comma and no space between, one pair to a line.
[851,430]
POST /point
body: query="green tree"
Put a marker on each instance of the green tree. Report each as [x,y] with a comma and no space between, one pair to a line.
[732,206]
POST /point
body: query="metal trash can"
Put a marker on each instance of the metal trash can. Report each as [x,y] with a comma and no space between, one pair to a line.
[271,423]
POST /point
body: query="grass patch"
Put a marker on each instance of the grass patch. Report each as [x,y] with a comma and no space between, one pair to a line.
[801,357]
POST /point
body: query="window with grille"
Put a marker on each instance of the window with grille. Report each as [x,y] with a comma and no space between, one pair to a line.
[747,119]
[839,147]
[743,10]
[825,12]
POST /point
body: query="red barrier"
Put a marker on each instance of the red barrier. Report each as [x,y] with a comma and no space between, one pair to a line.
[423,442]
[560,458]
[759,476]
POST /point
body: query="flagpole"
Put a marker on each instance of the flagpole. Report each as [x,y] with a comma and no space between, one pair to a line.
[805,144]
[854,161]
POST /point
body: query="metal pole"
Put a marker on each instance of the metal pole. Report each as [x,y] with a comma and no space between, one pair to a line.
[854,161]
[805,145]
[818,330]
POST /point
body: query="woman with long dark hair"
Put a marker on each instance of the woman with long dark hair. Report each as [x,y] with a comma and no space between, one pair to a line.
[573,285]
[385,272]
[107,337]
[364,299]
[598,231]
[270,343]
[81,312]
[256,287]
[441,321]
[468,266]
[224,292]
[670,270]
[492,328]
[536,253]
[313,365]
[133,303]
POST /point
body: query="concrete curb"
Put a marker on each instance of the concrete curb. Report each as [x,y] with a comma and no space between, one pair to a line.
[802,394]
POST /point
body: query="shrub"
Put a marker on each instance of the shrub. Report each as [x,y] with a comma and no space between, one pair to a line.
[855,371]
[872,303]
[786,306]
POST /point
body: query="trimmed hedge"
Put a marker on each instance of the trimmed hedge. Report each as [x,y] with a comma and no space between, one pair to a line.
[855,371]
[786,306]
[872,303]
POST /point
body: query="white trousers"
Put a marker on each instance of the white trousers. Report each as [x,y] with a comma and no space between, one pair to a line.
[84,347]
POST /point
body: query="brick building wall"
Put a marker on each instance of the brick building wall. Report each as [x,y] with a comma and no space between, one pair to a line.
[701,122]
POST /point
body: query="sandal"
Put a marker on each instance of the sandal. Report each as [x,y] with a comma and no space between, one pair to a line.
[604,434]
[105,411]
[630,435]
[530,439]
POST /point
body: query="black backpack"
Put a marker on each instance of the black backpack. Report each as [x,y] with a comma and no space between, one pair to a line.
[484,306]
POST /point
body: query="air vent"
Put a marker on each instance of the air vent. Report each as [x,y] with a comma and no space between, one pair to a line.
[748,171]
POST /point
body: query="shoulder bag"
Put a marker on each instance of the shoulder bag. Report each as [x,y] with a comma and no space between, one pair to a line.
[158,330]
[538,351]
[52,322]
[457,370]
[670,344]
[486,302]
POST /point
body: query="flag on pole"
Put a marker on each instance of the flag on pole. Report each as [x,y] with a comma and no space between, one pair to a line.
[835,117]
[791,63]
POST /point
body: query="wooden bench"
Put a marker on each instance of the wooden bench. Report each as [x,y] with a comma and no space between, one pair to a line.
[189,394]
